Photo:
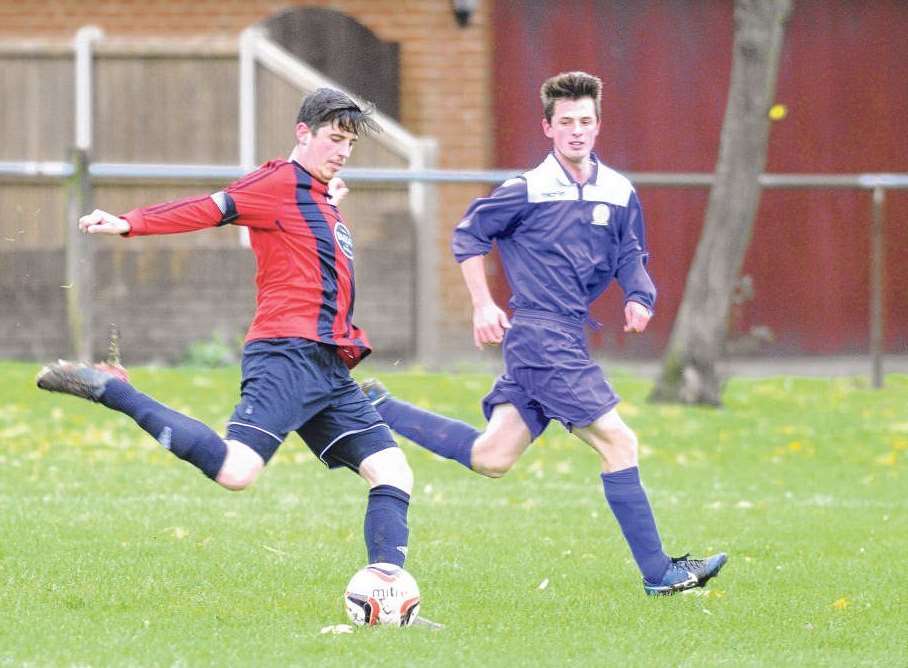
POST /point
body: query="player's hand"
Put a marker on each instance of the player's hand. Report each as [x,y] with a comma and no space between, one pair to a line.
[489,325]
[101,222]
[337,190]
[636,317]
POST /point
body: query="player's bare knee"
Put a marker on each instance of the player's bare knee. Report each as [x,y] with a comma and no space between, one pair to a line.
[620,448]
[625,440]
[241,467]
[491,464]
[238,478]
[492,471]
[617,436]
[494,455]
[388,467]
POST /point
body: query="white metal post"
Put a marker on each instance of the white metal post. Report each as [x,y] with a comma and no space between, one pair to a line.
[424,211]
[247,98]
[247,60]
[82,45]
[80,270]
[877,283]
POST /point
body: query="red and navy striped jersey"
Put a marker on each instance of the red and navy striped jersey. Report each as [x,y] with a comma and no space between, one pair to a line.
[303,251]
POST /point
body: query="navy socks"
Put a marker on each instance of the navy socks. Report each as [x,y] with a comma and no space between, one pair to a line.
[627,499]
[449,438]
[385,526]
[185,437]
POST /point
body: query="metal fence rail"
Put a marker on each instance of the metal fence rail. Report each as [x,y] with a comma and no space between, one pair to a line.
[877,183]
[136,171]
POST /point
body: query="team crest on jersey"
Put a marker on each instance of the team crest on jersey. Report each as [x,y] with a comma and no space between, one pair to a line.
[600,214]
[344,239]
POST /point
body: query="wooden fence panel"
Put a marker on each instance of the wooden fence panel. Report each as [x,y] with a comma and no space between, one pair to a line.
[178,109]
[166,292]
[32,215]
[36,106]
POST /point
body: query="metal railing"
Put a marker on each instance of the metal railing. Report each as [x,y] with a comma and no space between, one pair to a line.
[217,174]
[137,171]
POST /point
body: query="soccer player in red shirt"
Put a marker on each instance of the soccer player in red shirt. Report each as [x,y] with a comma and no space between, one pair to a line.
[302,341]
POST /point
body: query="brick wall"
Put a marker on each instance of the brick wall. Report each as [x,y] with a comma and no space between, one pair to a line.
[445,77]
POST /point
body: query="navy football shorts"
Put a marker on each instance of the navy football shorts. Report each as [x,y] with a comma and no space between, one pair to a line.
[299,385]
[549,374]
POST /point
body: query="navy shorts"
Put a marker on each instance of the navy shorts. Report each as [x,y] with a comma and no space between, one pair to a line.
[549,374]
[300,385]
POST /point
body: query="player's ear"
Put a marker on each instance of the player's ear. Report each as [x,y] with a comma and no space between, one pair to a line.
[546,128]
[303,133]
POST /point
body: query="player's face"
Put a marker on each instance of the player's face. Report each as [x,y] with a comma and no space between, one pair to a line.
[573,129]
[324,152]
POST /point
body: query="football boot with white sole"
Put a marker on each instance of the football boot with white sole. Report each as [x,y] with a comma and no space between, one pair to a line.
[686,573]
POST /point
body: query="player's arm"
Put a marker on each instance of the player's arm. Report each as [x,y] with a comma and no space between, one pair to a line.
[487,218]
[489,321]
[248,201]
[185,215]
[635,281]
[175,217]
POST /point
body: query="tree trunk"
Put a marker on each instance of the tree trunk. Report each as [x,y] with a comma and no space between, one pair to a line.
[689,372]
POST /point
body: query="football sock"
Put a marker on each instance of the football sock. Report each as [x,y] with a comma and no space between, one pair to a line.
[185,437]
[385,526]
[627,499]
[449,438]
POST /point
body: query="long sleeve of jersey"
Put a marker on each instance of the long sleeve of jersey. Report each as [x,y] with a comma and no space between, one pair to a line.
[182,215]
[489,218]
[632,258]
[248,201]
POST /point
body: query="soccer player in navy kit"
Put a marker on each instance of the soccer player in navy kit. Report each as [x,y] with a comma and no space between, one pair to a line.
[301,343]
[564,230]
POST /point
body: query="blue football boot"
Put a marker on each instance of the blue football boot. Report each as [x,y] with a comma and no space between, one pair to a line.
[686,573]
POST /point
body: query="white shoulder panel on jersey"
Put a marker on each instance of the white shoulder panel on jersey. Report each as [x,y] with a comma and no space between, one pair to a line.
[513,181]
[549,183]
[220,198]
[610,187]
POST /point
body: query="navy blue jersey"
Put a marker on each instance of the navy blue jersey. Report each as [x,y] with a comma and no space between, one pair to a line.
[561,242]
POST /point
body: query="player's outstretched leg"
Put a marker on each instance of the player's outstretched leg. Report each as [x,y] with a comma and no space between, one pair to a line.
[686,573]
[107,384]
[444,436]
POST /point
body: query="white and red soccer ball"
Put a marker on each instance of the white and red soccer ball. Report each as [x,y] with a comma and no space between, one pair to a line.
[382,594]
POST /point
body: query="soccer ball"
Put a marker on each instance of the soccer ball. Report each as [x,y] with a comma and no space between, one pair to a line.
[382,594]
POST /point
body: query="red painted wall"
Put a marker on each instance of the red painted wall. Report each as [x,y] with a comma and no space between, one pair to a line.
[665,68]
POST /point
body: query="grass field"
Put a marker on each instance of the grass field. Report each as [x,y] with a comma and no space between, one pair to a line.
[112,552]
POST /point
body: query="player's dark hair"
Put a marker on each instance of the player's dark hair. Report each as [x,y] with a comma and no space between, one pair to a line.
[326,105]
[570,86]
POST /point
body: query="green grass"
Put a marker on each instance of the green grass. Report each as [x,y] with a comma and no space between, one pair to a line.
[112,552]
